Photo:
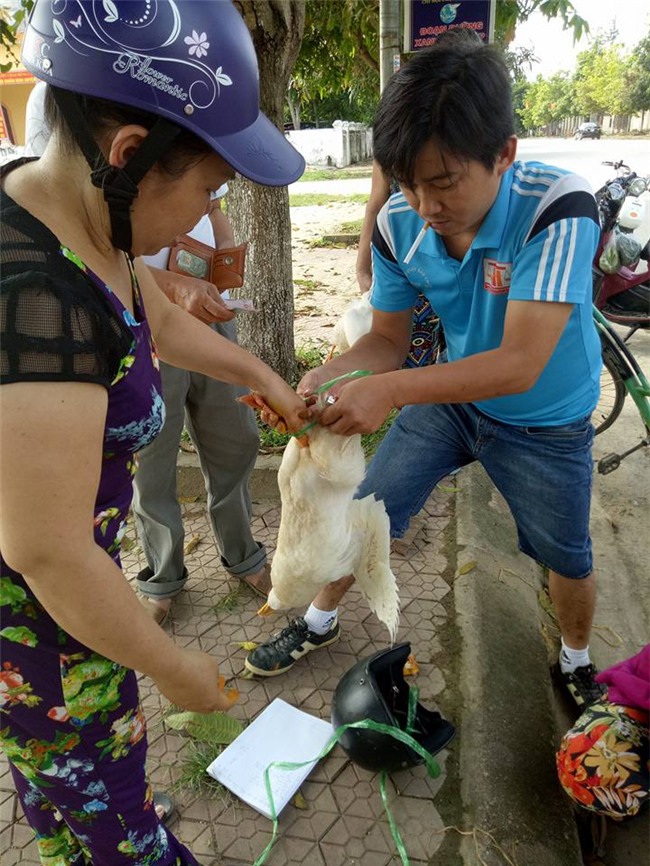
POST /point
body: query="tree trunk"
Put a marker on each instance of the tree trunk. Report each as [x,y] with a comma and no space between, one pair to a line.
[260,215]
[294,111]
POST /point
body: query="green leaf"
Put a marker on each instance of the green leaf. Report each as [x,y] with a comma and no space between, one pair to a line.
[215,728]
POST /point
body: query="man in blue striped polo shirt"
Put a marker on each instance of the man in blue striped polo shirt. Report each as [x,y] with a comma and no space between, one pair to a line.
[503,251]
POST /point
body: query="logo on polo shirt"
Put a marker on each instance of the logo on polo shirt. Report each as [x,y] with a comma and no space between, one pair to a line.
[496,276]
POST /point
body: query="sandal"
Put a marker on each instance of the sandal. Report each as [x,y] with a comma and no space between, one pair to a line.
[259,581]
[164,806]
[157,610]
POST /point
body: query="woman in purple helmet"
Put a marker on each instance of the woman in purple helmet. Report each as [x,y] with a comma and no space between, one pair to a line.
[152,105]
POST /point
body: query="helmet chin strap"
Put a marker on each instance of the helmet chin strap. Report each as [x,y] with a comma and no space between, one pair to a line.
[119,185]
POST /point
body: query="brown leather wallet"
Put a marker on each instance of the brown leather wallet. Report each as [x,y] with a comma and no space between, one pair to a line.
[223,268]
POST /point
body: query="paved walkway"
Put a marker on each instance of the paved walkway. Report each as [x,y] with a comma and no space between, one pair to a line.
[344,820]
[474,611]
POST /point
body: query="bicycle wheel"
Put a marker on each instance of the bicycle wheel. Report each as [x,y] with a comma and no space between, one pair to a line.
[612,394]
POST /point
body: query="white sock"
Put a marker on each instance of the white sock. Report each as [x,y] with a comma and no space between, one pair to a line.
[320,621]
[570,659]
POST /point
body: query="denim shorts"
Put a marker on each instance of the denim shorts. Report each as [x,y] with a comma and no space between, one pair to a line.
[544,474]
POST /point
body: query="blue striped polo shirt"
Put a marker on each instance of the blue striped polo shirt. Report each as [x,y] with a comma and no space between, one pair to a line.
[536,243]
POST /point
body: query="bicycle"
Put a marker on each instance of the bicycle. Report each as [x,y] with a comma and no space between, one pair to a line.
[621,376]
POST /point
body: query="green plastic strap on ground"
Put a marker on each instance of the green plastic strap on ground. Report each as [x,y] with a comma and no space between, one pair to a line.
[366,724]
[414,694]
[356,374]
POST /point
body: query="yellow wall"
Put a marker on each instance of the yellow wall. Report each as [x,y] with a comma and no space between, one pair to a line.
[13,95]
[14,98]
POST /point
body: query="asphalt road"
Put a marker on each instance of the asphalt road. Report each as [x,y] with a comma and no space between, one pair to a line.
[584,157]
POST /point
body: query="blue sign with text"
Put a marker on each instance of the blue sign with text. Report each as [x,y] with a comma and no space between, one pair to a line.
[426,20]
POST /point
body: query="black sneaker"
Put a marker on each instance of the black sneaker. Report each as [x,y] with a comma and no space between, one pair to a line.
[285,648]
[581,685]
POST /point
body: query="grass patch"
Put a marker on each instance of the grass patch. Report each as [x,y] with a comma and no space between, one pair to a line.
[326,243]
[322,244]
[337,173]
[371,441]
[309,199]
[307,284]
[351,228]
[346,235]
[186,441]
[233,600]
[205,736]
[271,442]
[308,356]
[193,777]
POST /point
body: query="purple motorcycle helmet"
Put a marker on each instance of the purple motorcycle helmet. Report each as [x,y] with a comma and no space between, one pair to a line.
[191,63]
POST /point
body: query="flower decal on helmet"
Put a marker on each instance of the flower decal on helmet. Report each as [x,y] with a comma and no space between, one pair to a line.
[139,35]
[198,44]
[191,62]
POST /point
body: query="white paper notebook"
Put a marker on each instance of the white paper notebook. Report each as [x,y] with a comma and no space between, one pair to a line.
[280,733]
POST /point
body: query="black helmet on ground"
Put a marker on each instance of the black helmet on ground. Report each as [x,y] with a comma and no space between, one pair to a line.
[375,688]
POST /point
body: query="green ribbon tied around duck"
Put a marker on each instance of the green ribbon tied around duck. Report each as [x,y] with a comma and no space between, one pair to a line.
[325,387]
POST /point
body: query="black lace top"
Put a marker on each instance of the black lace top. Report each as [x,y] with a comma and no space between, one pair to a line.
[55,322]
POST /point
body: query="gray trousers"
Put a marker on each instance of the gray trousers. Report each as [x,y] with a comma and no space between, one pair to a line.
[225,435]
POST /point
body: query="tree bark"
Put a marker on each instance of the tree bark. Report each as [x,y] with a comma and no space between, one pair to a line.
[294,111]
[260,215]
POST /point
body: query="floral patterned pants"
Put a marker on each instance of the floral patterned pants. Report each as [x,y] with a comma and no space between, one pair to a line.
[603,760]
[75,737]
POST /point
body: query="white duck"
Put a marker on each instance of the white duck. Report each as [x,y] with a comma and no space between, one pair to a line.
[324,533]
[355,321]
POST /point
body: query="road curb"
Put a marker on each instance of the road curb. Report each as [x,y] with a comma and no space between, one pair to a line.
[263,481]
[508,731]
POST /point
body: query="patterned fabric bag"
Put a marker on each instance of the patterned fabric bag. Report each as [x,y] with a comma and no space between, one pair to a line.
[603,760]
[427,338]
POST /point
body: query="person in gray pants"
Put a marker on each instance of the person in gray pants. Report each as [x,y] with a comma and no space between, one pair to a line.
[224,433]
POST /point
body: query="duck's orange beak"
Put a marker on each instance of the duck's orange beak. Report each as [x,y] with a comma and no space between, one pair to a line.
[265,610]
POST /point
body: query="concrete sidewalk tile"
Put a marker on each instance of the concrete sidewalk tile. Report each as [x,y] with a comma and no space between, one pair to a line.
[8,806]
[346,838]
[197,836]
[419,823]
[417,782]
[6,779]
[357,797]
[22,836]
[344,822]
[316,819]
[331,768]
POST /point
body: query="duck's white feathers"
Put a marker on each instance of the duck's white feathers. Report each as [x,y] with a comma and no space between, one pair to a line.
[355,321]
[373,572]
[324,533]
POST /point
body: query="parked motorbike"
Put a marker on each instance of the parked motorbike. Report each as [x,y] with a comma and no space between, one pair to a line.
[621,283]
